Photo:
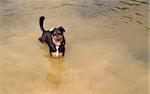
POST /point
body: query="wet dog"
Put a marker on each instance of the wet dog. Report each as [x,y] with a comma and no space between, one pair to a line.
[54,38]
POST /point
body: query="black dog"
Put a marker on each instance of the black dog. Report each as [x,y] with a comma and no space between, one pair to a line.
[54,38]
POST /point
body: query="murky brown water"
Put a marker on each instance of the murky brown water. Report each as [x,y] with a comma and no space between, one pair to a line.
[106,51]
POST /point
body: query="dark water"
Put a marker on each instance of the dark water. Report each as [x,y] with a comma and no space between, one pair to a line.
[106,51]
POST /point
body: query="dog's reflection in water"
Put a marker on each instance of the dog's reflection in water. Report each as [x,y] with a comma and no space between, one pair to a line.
[55,74]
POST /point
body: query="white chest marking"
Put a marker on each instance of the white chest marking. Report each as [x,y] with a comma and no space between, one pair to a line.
[57,51]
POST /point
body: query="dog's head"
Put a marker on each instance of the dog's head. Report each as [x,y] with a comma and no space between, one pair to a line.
[57,35]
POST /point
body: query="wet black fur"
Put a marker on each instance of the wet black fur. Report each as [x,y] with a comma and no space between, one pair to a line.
[47,37]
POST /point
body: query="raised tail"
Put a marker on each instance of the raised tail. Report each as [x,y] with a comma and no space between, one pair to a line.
[41,21]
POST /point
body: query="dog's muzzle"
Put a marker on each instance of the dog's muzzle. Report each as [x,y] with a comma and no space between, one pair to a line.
[58,41]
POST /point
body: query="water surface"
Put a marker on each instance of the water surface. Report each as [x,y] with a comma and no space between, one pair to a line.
[106,51]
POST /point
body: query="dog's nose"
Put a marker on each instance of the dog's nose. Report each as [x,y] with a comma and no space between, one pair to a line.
[57,36]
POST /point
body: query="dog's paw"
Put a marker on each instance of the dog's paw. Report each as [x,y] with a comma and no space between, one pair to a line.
[55,55]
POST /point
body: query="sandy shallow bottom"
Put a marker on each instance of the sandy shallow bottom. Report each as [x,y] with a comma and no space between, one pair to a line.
[106,51]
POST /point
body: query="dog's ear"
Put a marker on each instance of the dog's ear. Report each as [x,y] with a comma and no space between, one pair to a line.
[52,30]
[61,29]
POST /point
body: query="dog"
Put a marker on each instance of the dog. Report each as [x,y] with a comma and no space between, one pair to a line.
[54,38]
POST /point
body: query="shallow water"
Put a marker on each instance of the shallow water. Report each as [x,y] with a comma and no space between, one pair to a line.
[106,51]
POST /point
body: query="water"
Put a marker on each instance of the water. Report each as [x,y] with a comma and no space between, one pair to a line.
[106,51]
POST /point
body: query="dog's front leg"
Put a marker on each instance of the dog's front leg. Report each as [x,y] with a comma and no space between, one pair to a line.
[50,51]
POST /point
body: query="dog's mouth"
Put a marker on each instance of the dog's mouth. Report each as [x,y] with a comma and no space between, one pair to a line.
[58,42]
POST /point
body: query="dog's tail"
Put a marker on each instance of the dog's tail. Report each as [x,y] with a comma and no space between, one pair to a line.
[41,21]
